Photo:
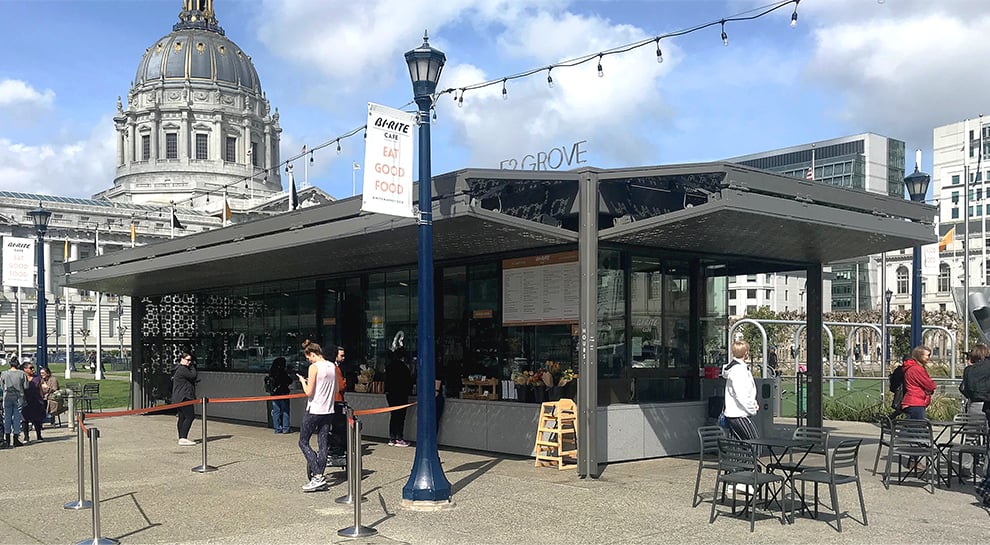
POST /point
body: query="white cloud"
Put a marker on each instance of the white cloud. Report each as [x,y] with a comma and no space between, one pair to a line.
[77,169]
[19,94]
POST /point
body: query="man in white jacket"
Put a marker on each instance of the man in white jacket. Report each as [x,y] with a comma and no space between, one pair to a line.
[740,393]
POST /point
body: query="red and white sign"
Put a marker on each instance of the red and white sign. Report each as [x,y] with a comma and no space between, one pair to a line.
[18,262]
[388,159]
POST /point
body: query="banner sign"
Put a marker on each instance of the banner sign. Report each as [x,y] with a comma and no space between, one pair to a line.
[18,262]
[388,159]
[929,260]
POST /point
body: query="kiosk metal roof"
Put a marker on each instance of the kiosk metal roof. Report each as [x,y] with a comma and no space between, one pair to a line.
[722,210]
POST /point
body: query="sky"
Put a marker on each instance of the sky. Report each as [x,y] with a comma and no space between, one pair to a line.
[898,68]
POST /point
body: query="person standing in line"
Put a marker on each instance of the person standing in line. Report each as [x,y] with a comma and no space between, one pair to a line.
[184,381]
[740,394]
[338,422]
[33,411]
[320,386]
[398,387]
[975,386]
[14,382]
[278,381]
[918,385]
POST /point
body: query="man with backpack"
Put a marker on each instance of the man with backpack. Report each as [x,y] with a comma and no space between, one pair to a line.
[896,387]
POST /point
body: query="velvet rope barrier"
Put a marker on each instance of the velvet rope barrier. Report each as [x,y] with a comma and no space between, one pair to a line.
[145,410]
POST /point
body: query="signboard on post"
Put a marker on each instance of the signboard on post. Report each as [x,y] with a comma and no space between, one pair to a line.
[929,260]
[388,159]
[18,262]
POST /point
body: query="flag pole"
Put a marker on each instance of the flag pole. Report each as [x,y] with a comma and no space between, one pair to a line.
[966,146]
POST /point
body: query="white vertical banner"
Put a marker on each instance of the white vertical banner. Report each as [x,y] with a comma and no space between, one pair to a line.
[929,260]
[388,159]
[18,262]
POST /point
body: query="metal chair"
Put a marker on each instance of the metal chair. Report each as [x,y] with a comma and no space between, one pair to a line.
[738,464]
[971,430]
[707,456]
[819,438]
[913,438]
[886,426]
[844,456]
[91,393]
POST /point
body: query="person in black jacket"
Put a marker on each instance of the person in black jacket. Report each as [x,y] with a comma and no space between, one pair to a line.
[183,389]
[975,383]
[277,382]
[398,387]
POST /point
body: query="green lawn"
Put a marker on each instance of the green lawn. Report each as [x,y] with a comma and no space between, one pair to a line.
[863,392]
[113,393]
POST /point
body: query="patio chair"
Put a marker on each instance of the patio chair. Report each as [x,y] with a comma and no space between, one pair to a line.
[913,438]
[738,464]
[91,393]
[707,456]
[886,426]
[819,438]
[843,468]
[971,431]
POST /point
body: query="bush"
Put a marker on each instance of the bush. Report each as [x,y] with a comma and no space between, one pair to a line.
[942,407]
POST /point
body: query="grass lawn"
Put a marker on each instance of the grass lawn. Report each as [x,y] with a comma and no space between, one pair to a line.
[113,393]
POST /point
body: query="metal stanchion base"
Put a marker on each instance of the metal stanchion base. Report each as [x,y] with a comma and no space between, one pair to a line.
[100,541]
[204,469]
[348,500]
[357,531]
[79,504]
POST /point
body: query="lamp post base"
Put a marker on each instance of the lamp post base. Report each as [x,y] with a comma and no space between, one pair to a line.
[80,504]
[357,531]
[426,505]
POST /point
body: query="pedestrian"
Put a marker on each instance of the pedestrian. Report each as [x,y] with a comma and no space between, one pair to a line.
[918,385]
[184,381]
[277,384]
[14,382]
[975,386]
[320,386]
[772,361]
[49,391]
[338,422]
[740,394]
[398,387]
[33,410]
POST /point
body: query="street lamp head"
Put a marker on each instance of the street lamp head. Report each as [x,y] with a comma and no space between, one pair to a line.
[425,64]
[40,216]
[888,294]
[917,184]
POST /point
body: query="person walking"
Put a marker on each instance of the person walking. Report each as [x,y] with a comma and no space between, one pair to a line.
[398,387]
[740,394]
[277,384]
[918,385]
[14,382]
[184,381]
[320,386]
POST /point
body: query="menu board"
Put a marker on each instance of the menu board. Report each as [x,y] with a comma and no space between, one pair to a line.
[540,289]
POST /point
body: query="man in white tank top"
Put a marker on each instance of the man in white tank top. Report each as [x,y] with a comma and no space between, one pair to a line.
[320,386]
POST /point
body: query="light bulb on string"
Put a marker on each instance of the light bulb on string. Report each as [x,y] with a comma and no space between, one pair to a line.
[460,100]
[207,197]
[725,37]
[601,73]
[338,146]
[794,16]
[310,157]
[434,117]
[549,77]
[659,53]
[505,93]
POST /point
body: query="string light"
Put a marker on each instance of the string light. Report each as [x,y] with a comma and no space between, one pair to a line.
[601,73]
[505,93]
[549,77]
[460,101]
[659,53]
[338,147]
[311,158]
[434,117]
[725,37]
[794,15]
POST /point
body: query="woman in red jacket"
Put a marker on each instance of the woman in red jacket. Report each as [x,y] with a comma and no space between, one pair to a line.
[918,386]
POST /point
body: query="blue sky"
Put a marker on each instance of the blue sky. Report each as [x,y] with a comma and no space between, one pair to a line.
[895,67]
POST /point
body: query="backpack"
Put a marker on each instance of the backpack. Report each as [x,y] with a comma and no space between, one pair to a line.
[897,387]
[269,384]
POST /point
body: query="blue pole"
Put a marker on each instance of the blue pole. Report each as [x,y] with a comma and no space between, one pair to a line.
[916,298]
[427,481]
[41,331]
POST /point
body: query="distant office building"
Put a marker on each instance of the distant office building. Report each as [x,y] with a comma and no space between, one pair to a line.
[865,162]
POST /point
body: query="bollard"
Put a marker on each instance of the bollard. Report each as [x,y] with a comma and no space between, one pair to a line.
[349,498]
[72,410]
[357,530]
[81,503]
[94,462]
[204,467]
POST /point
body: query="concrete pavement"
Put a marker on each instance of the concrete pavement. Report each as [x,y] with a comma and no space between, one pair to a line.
[150,495]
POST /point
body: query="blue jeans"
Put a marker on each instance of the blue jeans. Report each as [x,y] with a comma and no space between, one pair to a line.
[12,414]
[916,413]
[280,415]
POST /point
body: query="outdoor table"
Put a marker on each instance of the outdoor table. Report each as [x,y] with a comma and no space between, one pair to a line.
[953,428]
[776,449]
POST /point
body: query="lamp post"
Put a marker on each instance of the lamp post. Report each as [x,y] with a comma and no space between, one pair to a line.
[427,485]
[40,217]
[917,187]
[886,337]
[70,362]
[58,308]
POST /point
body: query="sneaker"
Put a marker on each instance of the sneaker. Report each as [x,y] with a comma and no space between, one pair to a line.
[318,482]
[186,442]
[400,443]
[391,442]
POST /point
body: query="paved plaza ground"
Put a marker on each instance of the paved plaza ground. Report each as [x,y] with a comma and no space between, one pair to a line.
[150,495]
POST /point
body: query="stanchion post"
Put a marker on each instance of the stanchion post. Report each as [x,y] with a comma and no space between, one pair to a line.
[94,462]
[81,503]
[351,453]
[357,530]
[204,467]
[72,410]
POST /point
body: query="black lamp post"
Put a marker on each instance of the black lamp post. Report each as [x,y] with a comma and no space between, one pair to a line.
[917,187]
[40,217]
[886,336]
[70,362]
[427,483]
[58,308]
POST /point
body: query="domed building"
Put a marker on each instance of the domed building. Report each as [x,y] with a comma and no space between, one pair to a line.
[196,123]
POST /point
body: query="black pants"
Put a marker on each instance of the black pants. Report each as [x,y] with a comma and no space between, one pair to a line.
[397,419]
[338,430]
[186,416]
[319,425]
